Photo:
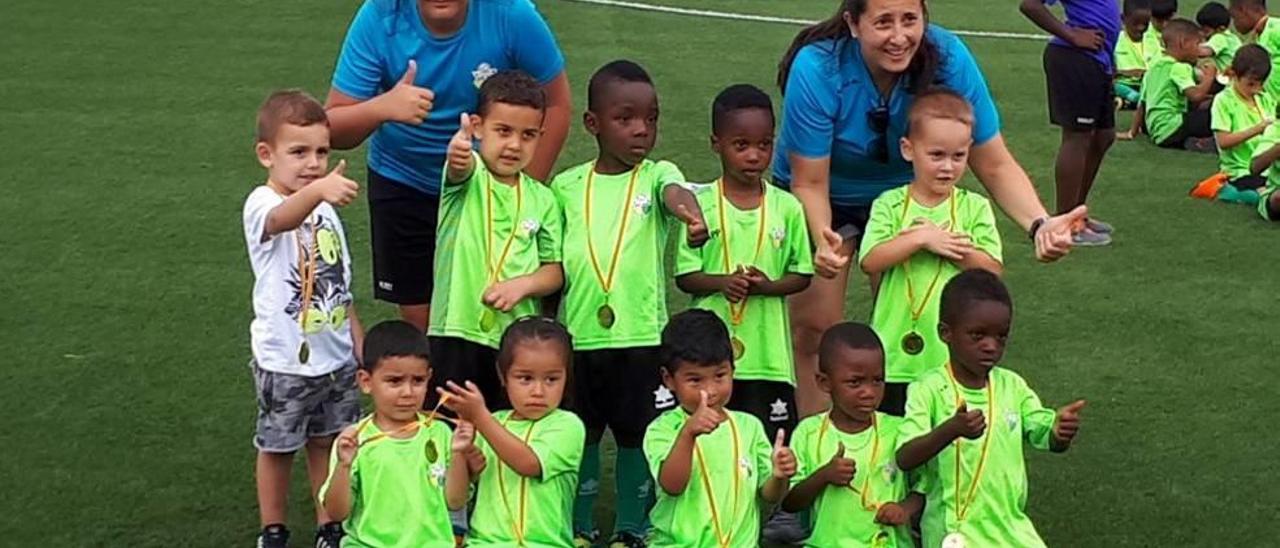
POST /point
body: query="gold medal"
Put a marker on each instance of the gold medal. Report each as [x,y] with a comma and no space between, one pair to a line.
[738,347]
[605,316]
[880,539]
[304,353]
[432,452]
[488,320]
[953,540]
[912,343]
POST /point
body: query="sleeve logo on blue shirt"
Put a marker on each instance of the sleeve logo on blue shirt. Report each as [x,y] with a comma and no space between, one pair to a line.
[482,72]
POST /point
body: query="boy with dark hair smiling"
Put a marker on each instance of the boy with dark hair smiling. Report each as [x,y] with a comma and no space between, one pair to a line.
[966,424]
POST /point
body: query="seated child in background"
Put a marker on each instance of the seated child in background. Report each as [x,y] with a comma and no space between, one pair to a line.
[845,465]
[714,467]
[1220,44]
[1130,54]
[1251,20]
[304,335]
[966,424]
[1170,92]
[498,247]
[1241,113]
[1162,11]
[758,254]
[922,234]
[388,473]
[1266,153]
[527,474]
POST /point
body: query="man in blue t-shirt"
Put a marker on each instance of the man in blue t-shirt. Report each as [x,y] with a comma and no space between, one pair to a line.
[407,70]
[1079,71]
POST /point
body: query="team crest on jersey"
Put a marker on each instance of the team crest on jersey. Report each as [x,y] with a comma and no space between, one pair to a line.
[889,471]
[642,204]
[745,464]
[1011,420]
[529,227]
[777,235]
[437,474]
[482,72]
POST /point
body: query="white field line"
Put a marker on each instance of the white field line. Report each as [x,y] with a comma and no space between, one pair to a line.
[783,20]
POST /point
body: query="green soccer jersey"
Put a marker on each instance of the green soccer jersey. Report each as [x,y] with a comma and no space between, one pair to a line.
[1164,90]
[737,464]
[539,510]
[1152,47]
[915,287]
[1223,45]
[397,489]
[486,225]
[1231,113]
[1130,55]
[637,278]
[1268,139]
[995,512]
[775,240]
[841,516]
[1269,39]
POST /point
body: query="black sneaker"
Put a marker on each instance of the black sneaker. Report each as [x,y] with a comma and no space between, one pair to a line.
[275,535]
[626,540]
[329,535]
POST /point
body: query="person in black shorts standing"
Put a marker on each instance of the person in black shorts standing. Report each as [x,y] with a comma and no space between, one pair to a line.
[1079,70]
[406,73]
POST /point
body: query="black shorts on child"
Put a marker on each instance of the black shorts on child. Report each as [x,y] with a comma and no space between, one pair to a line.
[459,360]
[773,402]
[1081,95]
[620,389]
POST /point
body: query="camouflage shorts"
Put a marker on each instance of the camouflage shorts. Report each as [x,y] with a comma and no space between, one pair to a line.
[293,408]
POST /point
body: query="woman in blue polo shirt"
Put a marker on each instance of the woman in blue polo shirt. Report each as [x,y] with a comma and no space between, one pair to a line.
[848,83]
[408,68]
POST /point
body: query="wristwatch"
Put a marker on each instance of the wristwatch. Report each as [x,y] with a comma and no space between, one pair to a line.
[1035,227]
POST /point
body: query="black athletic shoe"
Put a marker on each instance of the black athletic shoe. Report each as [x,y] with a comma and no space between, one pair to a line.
[626,540]
[275,535]
[329,535]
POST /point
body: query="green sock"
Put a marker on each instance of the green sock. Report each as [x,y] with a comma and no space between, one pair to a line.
[588,488]
[635,492]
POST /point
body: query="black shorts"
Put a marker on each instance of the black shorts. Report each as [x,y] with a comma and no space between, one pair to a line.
[1081,95]
[459,360]
[1249,182]
[402,226]
[850,216]
[1196,123]
[619,389]
[774,403]
[895,399]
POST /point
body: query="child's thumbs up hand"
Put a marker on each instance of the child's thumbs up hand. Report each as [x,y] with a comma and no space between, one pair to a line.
[968,424]
[407,103]
[336,188]
[839,470]
[784,459]
[695,226]
[891,514]
[1067,423]
[705,419]
[460,145]
[348,445]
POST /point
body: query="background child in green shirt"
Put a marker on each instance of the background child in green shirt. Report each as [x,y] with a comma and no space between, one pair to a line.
[498,242]
[1220,44]
[1130,53]
[1162,11]
[921,235]
[966,423]
[1171,94]
[388,474]
[1250,18]
[617,211]
[845,460]
[709,462]
[1266,153]
[757,255]
[1241,113]
[528,474]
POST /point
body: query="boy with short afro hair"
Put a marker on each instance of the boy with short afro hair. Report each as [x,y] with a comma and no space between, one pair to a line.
[1171,93]
[499,235]
[967,422]
[618,210]
[305,335]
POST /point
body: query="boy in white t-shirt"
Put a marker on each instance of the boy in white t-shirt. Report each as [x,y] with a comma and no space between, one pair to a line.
[305,335]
